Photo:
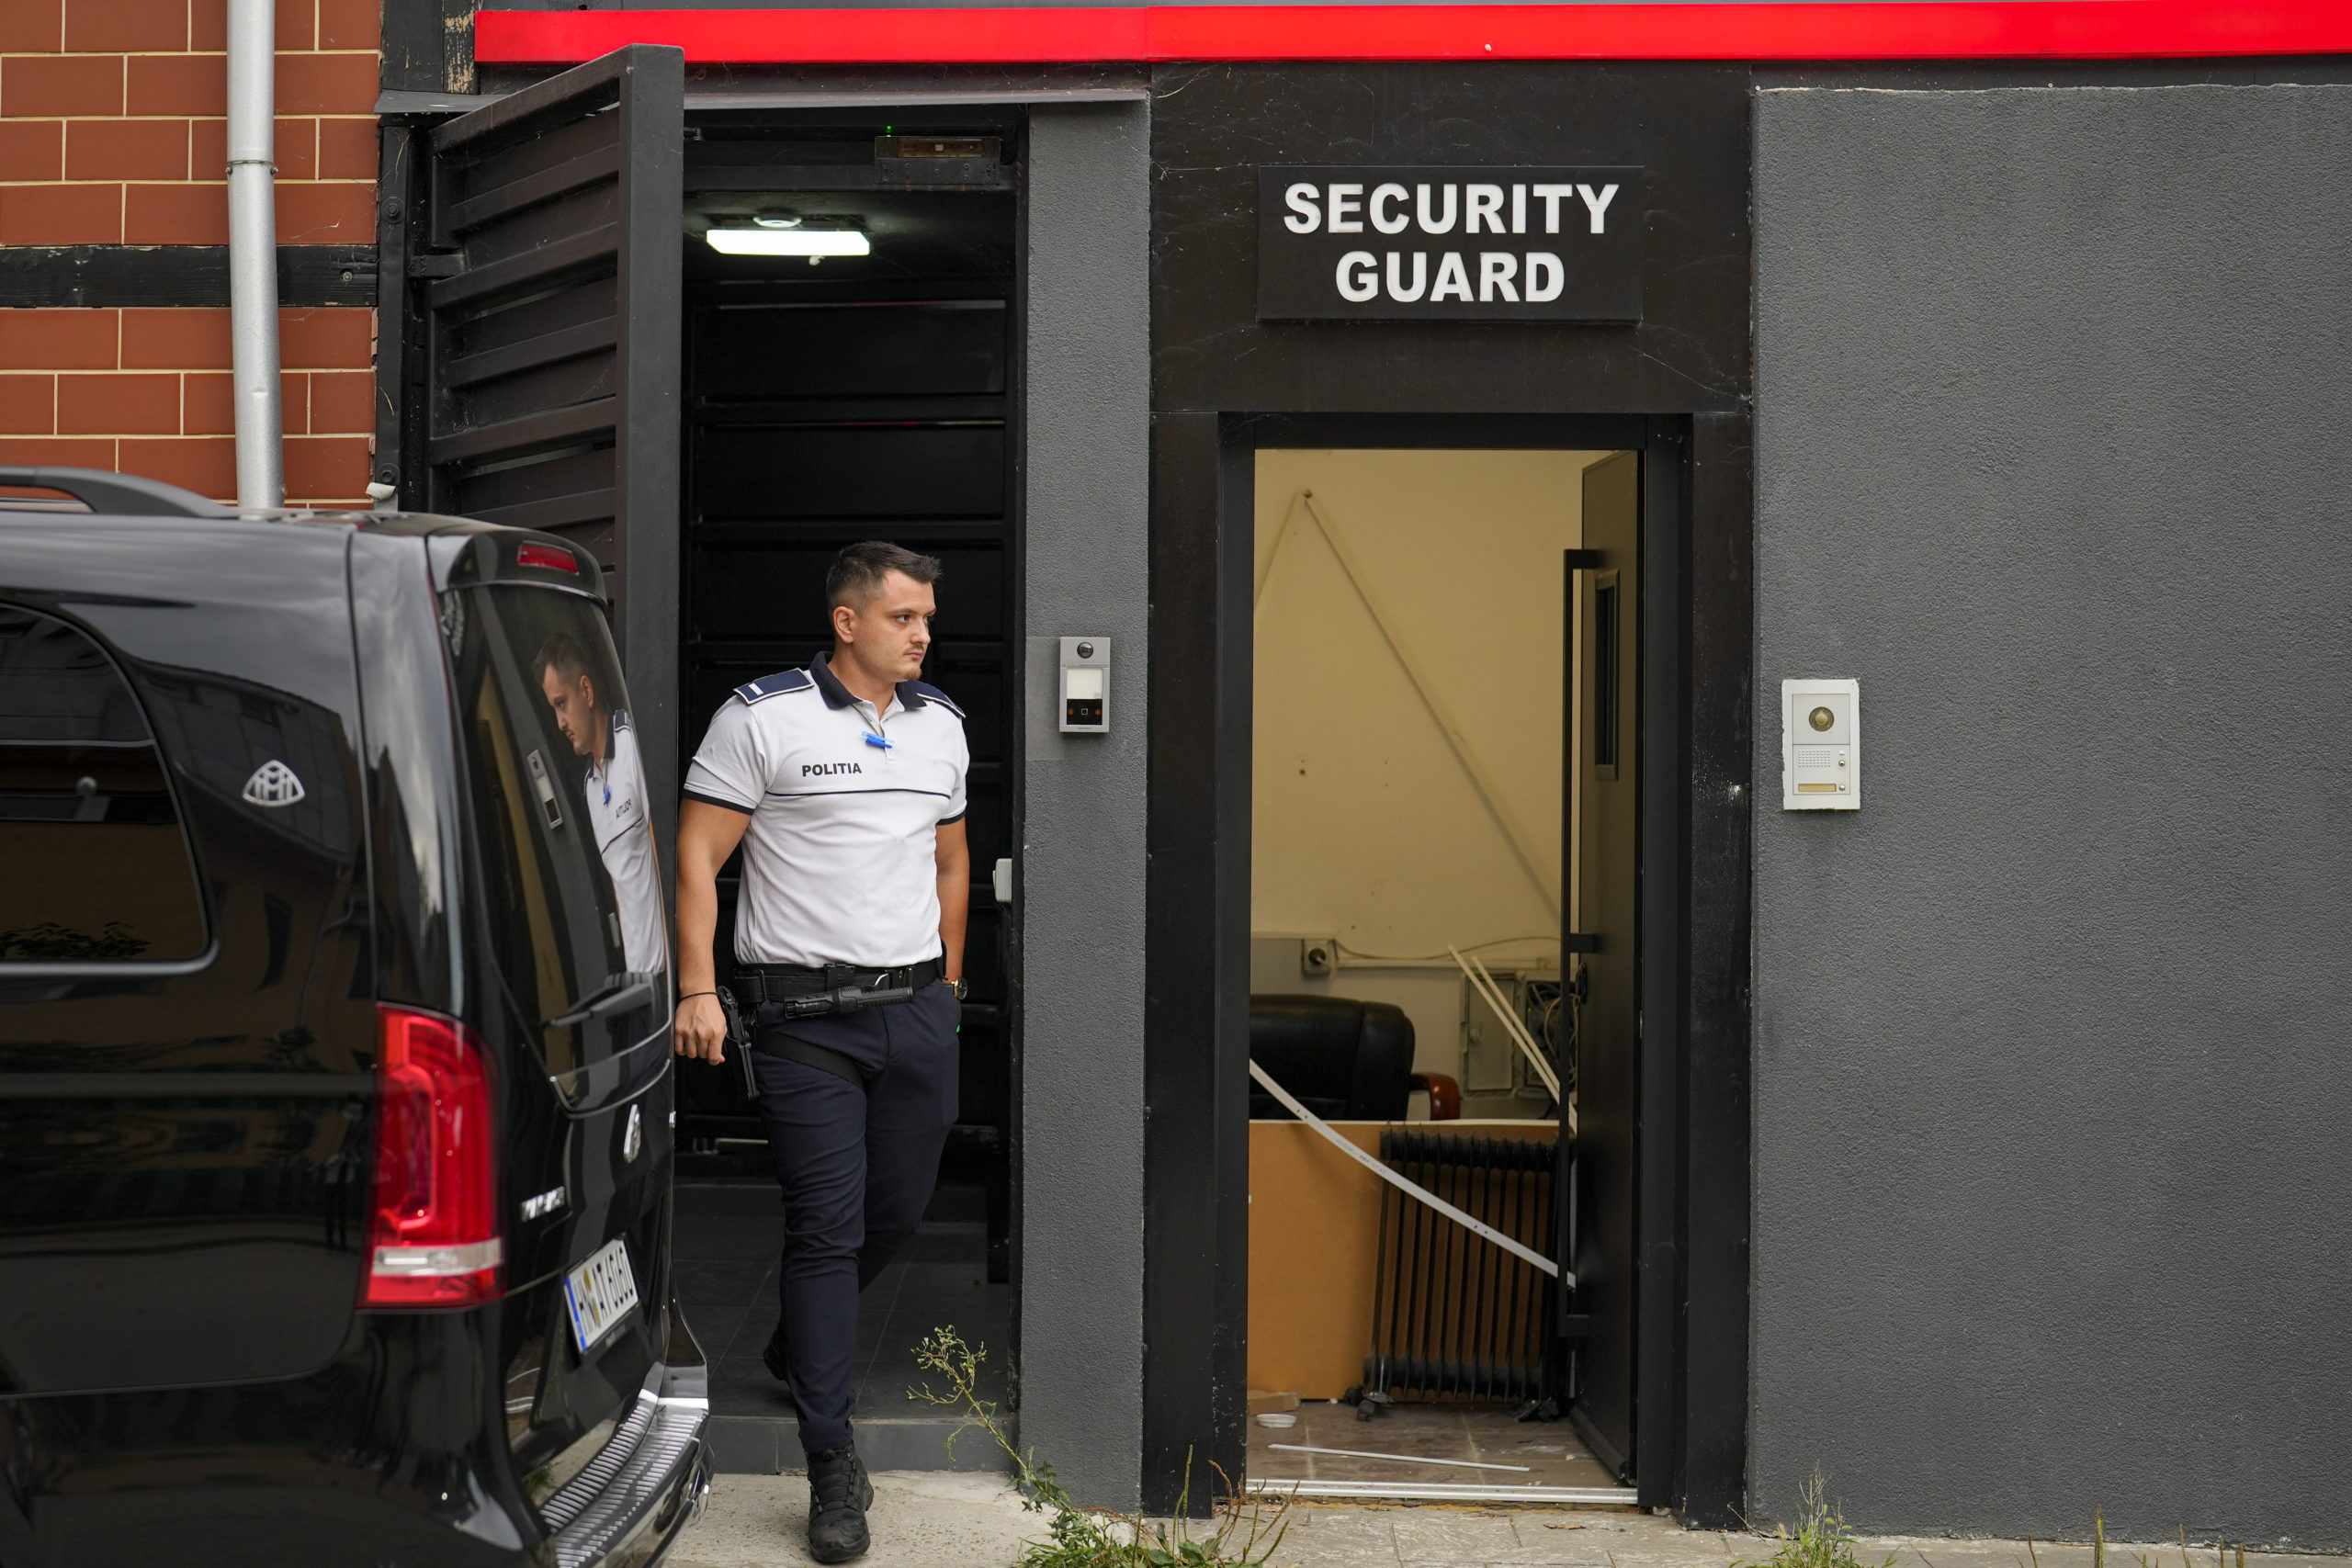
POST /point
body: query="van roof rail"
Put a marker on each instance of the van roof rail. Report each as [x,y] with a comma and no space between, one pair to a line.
[121,495]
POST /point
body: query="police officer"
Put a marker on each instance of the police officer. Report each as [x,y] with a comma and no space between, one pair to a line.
[616,789]
[844,782]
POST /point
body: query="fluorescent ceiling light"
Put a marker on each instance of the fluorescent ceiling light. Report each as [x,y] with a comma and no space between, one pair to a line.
[788,243]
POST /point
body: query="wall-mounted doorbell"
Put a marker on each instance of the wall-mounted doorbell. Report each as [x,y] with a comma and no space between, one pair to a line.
[1086,685]
[1821,746]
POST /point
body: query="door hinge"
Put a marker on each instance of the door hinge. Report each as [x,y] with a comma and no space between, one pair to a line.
[447,265]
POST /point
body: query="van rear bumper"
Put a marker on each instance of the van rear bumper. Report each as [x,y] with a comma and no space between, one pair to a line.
[643,1486]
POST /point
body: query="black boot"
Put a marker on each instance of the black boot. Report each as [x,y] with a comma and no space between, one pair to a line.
[839,1496]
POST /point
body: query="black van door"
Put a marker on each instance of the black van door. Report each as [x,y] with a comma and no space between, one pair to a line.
[570,987]
[527,364]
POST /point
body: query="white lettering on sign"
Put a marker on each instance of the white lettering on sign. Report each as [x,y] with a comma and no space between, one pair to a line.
[1598,204]
[1545,278]
[1346,202]
[1421,208]
[1309,267]
[1496,271]
[1483,206]
[1304,216]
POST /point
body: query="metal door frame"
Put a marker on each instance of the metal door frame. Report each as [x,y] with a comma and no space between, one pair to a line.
[1693,714]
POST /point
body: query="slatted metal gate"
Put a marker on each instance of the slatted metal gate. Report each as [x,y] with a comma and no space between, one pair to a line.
[528,352]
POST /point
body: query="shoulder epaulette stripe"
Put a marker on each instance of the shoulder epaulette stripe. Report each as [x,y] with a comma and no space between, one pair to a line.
[932,694]
[768,686]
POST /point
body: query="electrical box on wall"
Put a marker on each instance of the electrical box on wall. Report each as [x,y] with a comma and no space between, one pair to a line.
[1821,746]
[1086,685]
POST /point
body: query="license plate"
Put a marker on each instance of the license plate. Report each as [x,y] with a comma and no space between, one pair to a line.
[600,1294]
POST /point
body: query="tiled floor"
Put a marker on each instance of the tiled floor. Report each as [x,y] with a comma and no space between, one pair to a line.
[1481,1434]
[728,1234]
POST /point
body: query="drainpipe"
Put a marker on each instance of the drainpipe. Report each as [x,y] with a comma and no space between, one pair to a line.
[252,251]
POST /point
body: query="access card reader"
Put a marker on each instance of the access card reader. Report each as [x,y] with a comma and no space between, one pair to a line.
[1821,746]
[1086,685]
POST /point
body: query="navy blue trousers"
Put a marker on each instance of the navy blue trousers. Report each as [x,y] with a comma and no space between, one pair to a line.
[857,1167]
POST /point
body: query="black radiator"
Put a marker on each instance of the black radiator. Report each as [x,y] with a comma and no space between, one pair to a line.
[1456,1316]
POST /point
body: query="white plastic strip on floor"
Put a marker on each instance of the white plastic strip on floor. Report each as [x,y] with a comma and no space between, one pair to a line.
[1475,1492]
[1398,1459]
[1411,1190]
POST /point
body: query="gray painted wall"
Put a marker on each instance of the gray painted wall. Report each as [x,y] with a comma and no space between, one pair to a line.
[1082,865]
[2053,1095]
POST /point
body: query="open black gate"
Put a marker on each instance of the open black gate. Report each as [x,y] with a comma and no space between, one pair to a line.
[528,355]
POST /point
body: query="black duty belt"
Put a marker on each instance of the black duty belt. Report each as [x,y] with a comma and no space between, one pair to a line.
[805,992]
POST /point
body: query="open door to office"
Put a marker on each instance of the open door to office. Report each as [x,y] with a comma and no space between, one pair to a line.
[527,363]
[1602,840]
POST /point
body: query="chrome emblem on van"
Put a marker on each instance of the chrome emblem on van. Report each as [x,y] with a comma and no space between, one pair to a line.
[547,1203]
[633,1139]
[274,784]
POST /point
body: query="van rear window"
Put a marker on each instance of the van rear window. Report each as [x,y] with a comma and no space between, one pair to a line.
[571,889]
[98,868]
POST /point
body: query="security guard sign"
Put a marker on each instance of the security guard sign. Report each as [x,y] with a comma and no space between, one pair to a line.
[1364,243]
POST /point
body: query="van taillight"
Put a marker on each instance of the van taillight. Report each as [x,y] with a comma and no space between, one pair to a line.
[552,557]
[433,1237]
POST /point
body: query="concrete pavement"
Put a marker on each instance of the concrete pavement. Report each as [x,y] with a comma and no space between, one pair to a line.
[935,1519]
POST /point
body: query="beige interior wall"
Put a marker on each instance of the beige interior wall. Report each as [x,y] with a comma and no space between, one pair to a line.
[1365,824]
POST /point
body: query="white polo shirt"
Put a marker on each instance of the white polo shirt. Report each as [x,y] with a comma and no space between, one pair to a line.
[839,860]
[617,811]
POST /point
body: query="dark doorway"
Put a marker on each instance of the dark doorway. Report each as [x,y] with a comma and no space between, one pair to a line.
[849,397]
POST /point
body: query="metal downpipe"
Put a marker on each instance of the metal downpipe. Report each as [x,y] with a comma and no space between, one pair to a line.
[252,252]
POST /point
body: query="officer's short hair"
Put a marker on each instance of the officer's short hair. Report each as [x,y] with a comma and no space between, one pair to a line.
[857,572]
[563,654]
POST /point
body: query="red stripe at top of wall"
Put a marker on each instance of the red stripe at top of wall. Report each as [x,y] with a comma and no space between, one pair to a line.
[1811,30]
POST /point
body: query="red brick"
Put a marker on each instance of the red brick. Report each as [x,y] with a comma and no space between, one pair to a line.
[326,469]
[327,84]
[59,451]
[207,399]
[209,24]
[184,339]
[126,149]
[101,26]
[31,26]
[177,83]
[205,464]
[342,402]
[326,337]
[60,215]
[27,405]
[175,215]
[333,212]
[294,144]
[298,149]
[119,404]
[35,87]
[351,23]
[348,150]
[32,149]
[59,339]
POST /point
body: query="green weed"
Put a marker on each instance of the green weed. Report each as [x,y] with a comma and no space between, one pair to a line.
[1821,1540]
[1082,1537]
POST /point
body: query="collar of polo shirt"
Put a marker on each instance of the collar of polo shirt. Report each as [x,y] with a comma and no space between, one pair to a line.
[836,695]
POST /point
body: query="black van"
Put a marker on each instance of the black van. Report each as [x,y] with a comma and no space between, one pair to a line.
[336,1097]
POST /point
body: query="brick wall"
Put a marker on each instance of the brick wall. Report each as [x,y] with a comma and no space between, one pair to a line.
[112,132]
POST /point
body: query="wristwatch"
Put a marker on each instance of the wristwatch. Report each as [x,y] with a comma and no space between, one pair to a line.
[960,989]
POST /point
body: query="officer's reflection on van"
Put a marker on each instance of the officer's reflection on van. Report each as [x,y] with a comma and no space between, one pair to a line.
[615,787]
